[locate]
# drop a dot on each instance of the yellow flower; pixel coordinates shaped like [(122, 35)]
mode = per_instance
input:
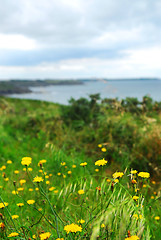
[(3, 168), (99, 145), (116, 180), (136, 216), (47, 182), (103, 149), (31, 190), (134, 171), (26, 161), (83, 164), (20, 189), (1, 186), (96, 170), (144, 174), (46, 176), (102, 225), (101, 162), (118, 174), (58, 173), (51, 189), (132, 238), (15, 216), (14, 234), (22, 181), (20, 204), (135, 198), (16, 171), (6, 179), (30, 169), (73, 228), (64, 176), (44, 236), (50, 174), (3, 205), (34, 236), (80, 192), (41, 162), (37, 189), (74, 166), (81, 221), (56, 191), (144, 185), (38, 179), (157, 218), (108, 180), (153, 182), (30, 202), (59, 238), (9, 162), (69, 172), (63, 163), (14, 192)]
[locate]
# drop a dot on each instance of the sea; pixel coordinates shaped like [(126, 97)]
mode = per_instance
[(107, 88)]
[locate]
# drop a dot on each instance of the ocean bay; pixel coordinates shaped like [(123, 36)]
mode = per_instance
[(108, 89)]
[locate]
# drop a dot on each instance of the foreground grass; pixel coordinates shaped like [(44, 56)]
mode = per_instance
[(124, 204)]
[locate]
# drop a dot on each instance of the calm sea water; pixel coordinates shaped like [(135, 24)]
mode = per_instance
[(107, 89)]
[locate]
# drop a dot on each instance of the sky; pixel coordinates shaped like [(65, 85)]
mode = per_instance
[(80, 39)]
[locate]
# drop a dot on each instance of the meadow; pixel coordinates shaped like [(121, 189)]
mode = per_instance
[(89, 170)]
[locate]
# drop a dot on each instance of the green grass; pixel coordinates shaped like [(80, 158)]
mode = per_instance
[(50, 131)]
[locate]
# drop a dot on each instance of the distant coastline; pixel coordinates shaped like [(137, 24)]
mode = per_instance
[(18, 86)]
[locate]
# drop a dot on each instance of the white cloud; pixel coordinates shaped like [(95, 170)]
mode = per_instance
[(136, 63), (16, 41)]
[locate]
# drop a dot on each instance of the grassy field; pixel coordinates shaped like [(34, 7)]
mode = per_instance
[(90, 170)]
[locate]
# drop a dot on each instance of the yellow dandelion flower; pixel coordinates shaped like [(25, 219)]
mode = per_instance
[(99, 145), (26, 161), (14, 192), (40, 170), (56, 191), (34, 236), (15, 216), (69, 172), (38, 179), (63, 163), (20, 204), (135, 198), (14, 234), (20, 189), (3, 205), (44, 236), (58, 173), (47, 182), (83, 164), (117, 174), (153, 182), (102, 225), (81, 221), (30, 169), (31, 189), (50, 174), (16, 171), (132, 238), (59, 238), (9, 162), (74, 166), (73, 228), (30, 202), (46, 176), (6, 179), (51, 189), (37, 189), (108, 180), (103, 149), (134, 171), (157, 218), (96, 170), (64, 176), (144, 185), (116, 180), (3, 168), (144, 174), (101, 162), (22, 181), (81, 191)]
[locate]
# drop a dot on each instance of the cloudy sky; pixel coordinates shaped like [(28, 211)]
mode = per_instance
[(80, 38)]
